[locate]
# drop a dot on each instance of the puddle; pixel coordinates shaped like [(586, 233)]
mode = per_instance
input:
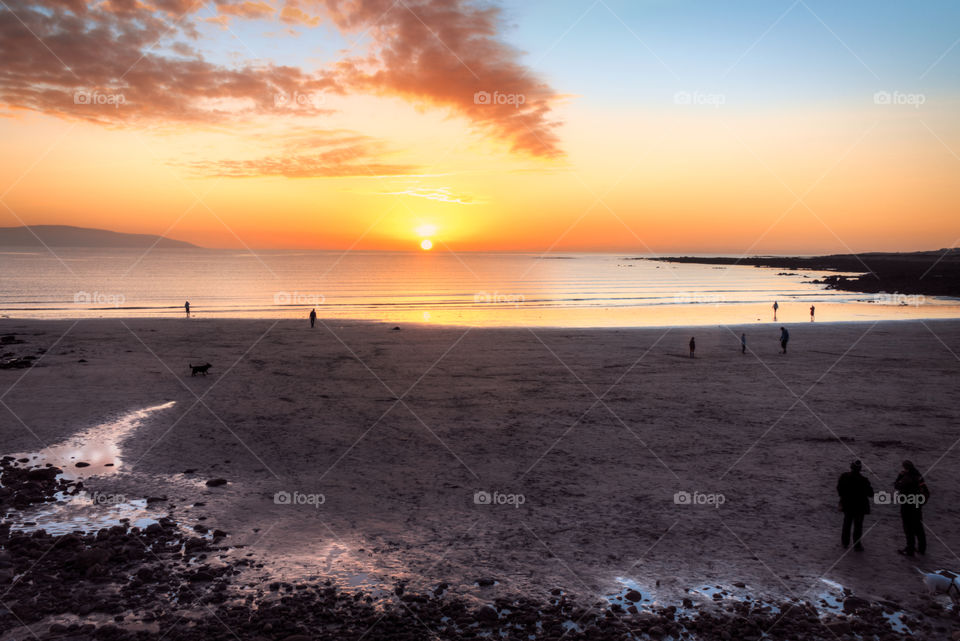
[(97, 449), (85, 513)]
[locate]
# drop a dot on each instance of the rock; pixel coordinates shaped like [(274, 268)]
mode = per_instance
[(839, 628), (81, 464), (485, 582), (633, 596), (42, 473), (216, 482), (487, 614), (855, 604), (156, 499)]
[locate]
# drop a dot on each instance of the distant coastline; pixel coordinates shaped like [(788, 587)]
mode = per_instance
[(930, 273), (69, 236)]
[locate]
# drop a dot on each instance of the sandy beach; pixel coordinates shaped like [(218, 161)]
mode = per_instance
[(578, 442)]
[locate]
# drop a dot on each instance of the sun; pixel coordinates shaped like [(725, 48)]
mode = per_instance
[(426, 244)]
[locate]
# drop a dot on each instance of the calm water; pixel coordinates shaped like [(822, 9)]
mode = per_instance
[(576, 290)]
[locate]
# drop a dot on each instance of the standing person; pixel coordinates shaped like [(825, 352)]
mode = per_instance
[(313, 317), (855, 493), (776, 306), (913, 493), (813, 310), (693, 347), (743, 343), (186, 307), (784, 337)]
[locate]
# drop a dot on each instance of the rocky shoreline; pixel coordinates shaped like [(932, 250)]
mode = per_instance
[(932, 273), (169, 581)]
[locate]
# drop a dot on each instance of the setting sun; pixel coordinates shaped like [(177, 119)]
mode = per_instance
[(426, 244)]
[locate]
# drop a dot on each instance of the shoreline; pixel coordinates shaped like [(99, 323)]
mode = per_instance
[(928, 273), (512, 411)]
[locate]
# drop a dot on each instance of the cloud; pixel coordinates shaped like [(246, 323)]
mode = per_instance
[(101, 64), (448, 53), (323, 154), (440, 194), (248, 9), (127, 61)]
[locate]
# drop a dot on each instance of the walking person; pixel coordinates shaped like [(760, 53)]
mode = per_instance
[(186, 307), (693, 346), (855, 493), (776, 306), (813, 310), (313, 317), (784, 338), (911, 494), (743, 343)]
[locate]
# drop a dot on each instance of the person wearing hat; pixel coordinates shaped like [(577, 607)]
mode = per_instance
[(855, 494)]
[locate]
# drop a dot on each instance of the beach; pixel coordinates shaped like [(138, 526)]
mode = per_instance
[(518, 461)]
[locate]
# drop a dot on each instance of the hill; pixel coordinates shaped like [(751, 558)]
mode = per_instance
[(68, 236)]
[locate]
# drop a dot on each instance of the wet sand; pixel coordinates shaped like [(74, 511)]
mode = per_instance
[(586, 436)]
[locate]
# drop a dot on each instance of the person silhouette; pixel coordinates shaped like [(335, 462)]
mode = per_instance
[(784, 338), (855, 493), (743, 343), (313, 317), (776, 306), (186, 307), (693, 346), (912, 493), (813, 310)]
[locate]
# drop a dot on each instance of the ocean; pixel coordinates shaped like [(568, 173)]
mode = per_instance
[(477, 289)]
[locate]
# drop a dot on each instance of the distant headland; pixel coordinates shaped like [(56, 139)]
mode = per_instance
[(68, 236), (931, 273)]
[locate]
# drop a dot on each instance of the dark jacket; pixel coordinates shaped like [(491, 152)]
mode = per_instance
[(911, 483), (855, 493)]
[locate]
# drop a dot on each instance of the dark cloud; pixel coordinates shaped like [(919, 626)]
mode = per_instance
[(123, 61)]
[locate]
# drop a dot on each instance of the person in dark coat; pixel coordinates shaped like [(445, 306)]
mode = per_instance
[(855, 494), (912, 493), (693, 346), (313, 317)]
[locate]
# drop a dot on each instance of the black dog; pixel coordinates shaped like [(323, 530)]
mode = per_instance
[(200, 369)]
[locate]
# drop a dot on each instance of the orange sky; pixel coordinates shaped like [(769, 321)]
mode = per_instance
[(375, 161)]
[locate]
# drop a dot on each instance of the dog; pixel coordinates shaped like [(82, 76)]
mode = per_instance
[(942, 582), (200, 369)]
